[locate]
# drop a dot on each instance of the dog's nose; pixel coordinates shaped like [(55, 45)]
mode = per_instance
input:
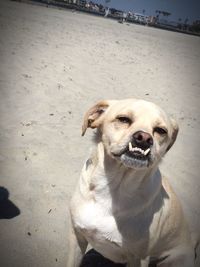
[(143, 139)]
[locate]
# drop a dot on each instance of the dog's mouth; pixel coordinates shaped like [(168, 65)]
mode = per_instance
[(137, 151), (135, 157)]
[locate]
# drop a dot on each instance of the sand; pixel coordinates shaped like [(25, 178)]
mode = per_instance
[(54, 65)]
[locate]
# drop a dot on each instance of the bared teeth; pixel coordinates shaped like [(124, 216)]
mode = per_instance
[(130, 146), (132, 149), (146, 151)]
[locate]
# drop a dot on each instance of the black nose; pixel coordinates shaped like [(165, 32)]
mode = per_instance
[(142, 139)]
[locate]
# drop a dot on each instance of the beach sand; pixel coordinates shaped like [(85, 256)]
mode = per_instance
[(55, 64)]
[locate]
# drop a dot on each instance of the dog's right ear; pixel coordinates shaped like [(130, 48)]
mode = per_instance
[(175, 130), (92, 118)]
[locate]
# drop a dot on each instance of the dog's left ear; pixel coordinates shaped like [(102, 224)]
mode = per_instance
[(93, 115), (175, 130)]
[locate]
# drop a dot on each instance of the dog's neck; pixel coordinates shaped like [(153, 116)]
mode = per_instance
[(120, 178)]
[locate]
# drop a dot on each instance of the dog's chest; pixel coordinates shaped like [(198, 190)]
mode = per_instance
[(97, 222), (103, 230), (110, 219)]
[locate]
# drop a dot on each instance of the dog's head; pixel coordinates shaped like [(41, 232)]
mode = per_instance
[(135, 132)]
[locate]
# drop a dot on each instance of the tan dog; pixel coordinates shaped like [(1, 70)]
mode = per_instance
[(123, 206)]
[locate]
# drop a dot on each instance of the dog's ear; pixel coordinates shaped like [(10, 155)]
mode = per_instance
[(93, 115), (175, 130)]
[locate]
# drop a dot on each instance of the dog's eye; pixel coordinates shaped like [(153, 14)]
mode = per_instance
[(124, 119), (160, 130)]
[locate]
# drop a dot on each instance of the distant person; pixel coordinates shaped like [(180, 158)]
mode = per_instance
[(107, 12), (124, 17)]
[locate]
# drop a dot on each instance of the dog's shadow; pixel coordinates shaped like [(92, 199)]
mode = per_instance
[(94, 259), (8, 209)]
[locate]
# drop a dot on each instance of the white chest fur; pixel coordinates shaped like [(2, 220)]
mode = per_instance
[(100, 229)]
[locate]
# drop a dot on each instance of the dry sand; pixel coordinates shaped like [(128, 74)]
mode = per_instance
[(54, 65)]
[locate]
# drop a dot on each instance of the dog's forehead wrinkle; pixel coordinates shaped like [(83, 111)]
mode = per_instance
[(137, 108), (138, 104)]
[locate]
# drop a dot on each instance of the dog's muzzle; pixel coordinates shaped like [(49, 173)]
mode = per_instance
[(138, 151)]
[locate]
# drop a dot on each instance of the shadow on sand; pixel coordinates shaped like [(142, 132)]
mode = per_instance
[(8, 210)]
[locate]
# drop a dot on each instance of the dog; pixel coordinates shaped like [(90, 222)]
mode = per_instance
[(123, 206)]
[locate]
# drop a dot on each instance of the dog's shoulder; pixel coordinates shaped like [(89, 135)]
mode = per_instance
[(168, 189), (175, 220)]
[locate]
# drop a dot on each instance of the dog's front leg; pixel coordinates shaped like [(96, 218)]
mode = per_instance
[(145, 262), (134, 262), (77, 247)]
